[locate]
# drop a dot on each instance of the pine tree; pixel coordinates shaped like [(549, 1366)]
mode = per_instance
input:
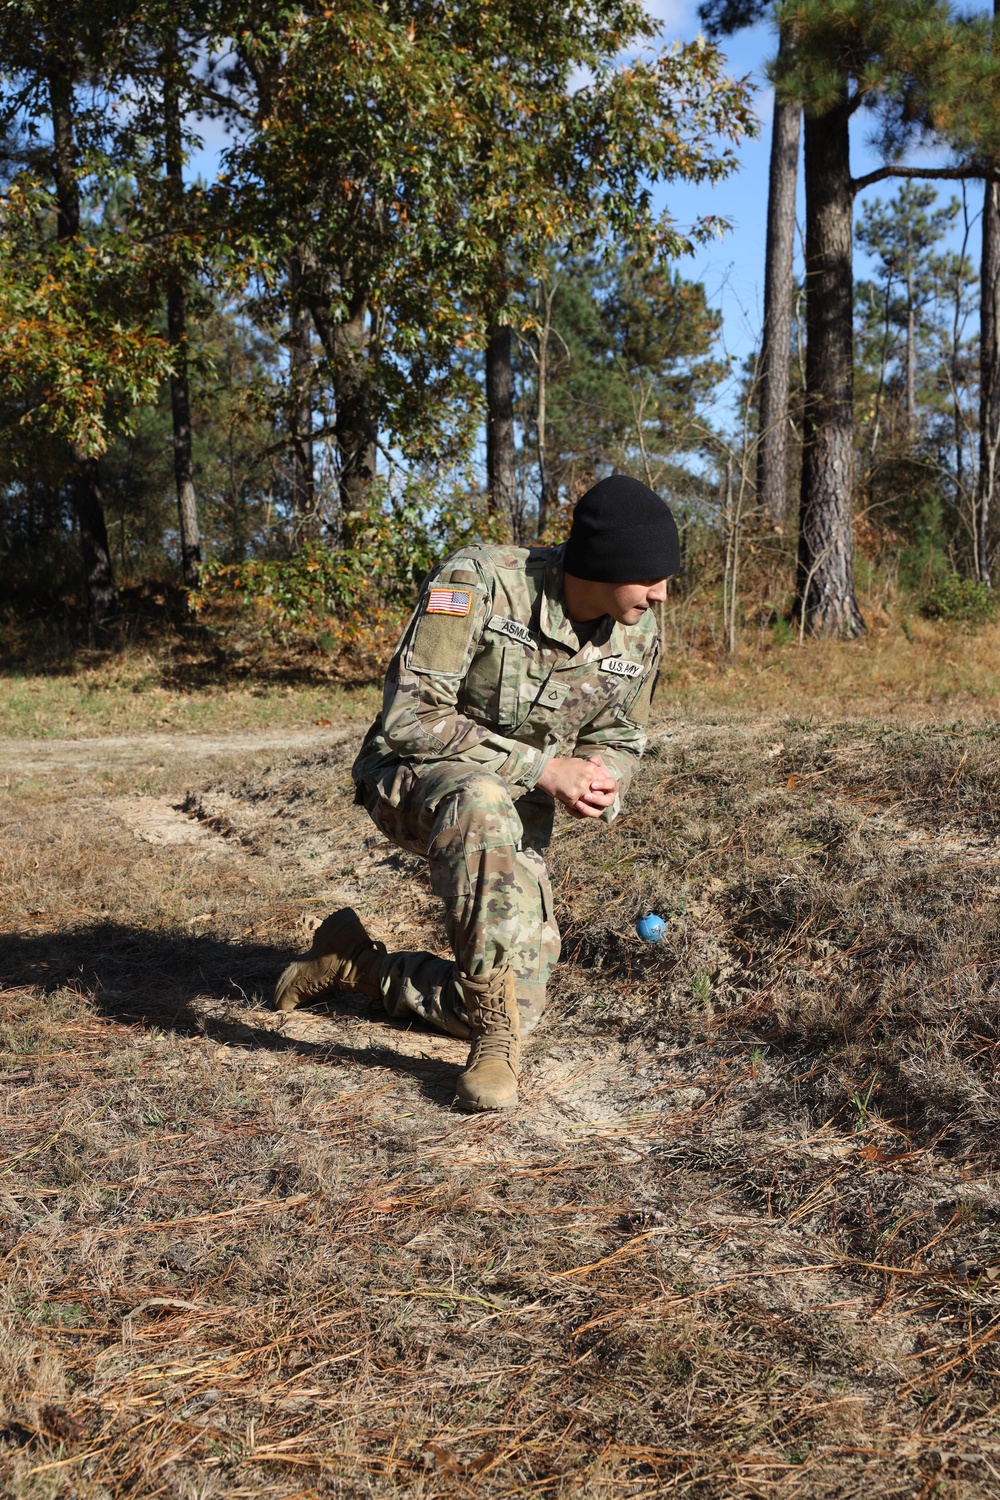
[(722, 18), (173, 70), (925, 71), (630, 360), (989, 374), (901, 236), (914, 376)]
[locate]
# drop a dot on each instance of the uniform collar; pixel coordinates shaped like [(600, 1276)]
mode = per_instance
[(556, 624)]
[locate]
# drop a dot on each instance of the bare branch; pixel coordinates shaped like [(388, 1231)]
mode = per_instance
[(979, 170)]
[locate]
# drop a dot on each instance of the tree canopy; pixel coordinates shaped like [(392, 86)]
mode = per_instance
[(396, 176)]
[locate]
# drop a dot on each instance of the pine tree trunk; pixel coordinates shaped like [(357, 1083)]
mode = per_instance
[(180, 406), (989, 374), (776, 349), (180, 393), (88, 503), (85, 484), (300, 405), (826, 597), (501, 470), (541, 415), (353, 425), (989, 382), (911, 355)]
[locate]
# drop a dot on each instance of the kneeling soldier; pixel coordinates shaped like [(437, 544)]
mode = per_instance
[(523, 677)]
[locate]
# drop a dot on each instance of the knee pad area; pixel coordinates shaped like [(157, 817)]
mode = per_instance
[(480, 811)]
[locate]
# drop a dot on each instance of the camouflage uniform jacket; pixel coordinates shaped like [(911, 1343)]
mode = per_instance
[(491, 673)]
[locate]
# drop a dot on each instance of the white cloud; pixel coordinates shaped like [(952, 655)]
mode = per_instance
[(675, 16)]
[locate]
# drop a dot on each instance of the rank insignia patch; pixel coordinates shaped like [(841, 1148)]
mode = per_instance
[(449, 602)]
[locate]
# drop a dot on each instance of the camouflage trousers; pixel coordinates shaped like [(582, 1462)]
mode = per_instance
[(483, 852)]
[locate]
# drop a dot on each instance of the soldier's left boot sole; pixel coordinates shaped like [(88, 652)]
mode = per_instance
[(343, 958)]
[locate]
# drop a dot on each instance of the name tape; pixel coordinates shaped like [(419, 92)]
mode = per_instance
[(619, 667), (513, 628)]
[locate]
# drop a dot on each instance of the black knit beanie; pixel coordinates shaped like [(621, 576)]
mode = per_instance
[(622, 533)]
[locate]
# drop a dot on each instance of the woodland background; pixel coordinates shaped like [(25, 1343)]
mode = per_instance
[(433, 293), (741, 1237)]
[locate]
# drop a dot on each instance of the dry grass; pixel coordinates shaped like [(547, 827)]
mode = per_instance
[(739, 1239), (138, 692), (905, 669)]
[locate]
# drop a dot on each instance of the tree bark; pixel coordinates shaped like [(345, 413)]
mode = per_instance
[(85, 484), (346, 346), (826, 597), (547, 292), (180, 406), (355, 430), (300, 404), (501, 469), (180, 392), (60, 81), (911, 352), (88, 503), (776, 347), (989, 374), (989, 383)]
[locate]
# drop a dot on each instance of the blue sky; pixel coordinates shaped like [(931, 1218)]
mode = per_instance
[(731, 268)]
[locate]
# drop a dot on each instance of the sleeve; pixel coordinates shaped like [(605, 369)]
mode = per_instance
[(420, 716), (618, 733)]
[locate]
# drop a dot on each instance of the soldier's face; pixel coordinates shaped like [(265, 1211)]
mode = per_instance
[(625, 602), (628, 602)]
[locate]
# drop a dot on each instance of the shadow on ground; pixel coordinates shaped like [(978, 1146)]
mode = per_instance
[(171, 982), (132, 974)]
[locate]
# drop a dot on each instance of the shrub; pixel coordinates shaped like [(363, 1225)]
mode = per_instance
[(351, 599), (964, 599)]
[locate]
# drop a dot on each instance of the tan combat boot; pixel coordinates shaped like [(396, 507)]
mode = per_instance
[(342, 957), (490, 1077)]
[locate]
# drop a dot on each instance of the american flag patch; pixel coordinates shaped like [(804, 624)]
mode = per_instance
[(449, 602)]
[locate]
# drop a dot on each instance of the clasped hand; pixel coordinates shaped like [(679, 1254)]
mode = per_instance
[(584, 787)]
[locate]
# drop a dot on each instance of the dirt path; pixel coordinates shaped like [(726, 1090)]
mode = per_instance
[(31, 756), (53, 756)]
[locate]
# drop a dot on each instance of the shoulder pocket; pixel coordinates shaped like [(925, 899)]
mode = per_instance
[(446, 626)]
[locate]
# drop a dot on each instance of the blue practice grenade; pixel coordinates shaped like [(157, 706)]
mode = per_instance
[(651, 928)]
